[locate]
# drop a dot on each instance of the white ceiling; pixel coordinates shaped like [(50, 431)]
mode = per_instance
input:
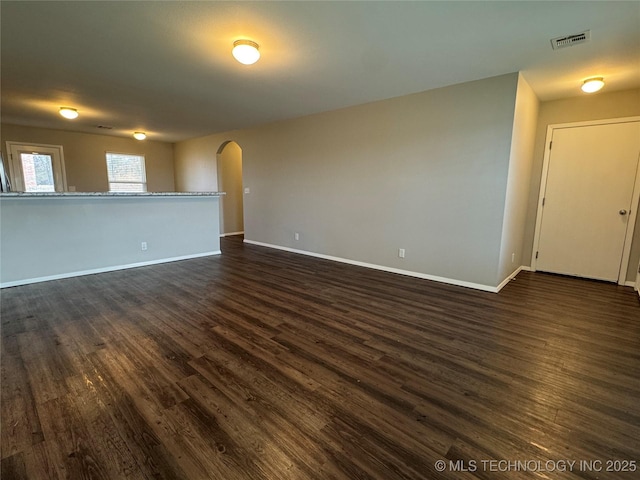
[(166, 67)]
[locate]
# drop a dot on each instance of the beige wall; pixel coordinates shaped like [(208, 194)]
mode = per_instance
[(229, 163), (84, 156), (196, 164), (424, 172), (577, 109), (519, 179)]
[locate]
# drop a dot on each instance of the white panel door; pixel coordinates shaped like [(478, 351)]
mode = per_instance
[(587, 200)]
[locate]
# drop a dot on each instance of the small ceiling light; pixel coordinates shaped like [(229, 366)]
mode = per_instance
[(68, 112), (139, 135), (592, 85), (246, 51)]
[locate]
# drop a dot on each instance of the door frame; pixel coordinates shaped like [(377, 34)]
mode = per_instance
[(15, 169), (635, 198)]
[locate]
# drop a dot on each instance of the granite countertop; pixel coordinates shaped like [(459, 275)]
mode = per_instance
[(108, 194)]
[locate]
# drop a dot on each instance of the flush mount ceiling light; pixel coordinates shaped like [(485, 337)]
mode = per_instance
[(592, 85), (246, 51), (139, 135), (68, 112)]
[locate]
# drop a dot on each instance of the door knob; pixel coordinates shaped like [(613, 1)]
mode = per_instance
[(622, 212)]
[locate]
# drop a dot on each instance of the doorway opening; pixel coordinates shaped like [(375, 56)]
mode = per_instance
[(229, 162)]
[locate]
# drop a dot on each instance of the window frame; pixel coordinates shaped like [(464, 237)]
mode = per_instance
[(144, 171), (14, 150)]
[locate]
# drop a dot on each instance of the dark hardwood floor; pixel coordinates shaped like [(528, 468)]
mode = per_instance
[(261, 364)]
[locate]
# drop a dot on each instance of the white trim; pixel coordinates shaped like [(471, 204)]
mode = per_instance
[(588, 123), (526, 268), (509, 278), (231, 233), (15, 170), (450, 281), (92, 271), (543, 188), (635, 199), (631, 224), (629, 283)]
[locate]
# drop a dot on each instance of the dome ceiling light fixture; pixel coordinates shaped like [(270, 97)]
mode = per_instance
[(246, 51), (592, 85), (68, 112), (139, 135)]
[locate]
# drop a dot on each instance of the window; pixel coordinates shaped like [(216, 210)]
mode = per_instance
[(126, 172), (37, 172), (37, 168)]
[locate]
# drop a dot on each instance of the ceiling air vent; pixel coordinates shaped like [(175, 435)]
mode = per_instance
[(570, 40), (104, 127)]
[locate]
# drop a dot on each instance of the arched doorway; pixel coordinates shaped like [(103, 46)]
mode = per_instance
[(229, 161)]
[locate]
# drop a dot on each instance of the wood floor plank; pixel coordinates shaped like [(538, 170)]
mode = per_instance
[(39, 462), (21, 426), (274, 422), (265, 455), (261, 364), (75, 453), (152, 457), (45, 365), (13, 467)]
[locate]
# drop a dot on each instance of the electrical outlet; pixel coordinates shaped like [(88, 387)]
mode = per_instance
[(296, 236), (513, 258), (401, 252), (247, 190), (143, 246)]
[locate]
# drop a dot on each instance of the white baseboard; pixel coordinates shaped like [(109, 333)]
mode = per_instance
[(509, 278), (450, 281), (630, 283), (231, 234), (525, 268), (93, 271)]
